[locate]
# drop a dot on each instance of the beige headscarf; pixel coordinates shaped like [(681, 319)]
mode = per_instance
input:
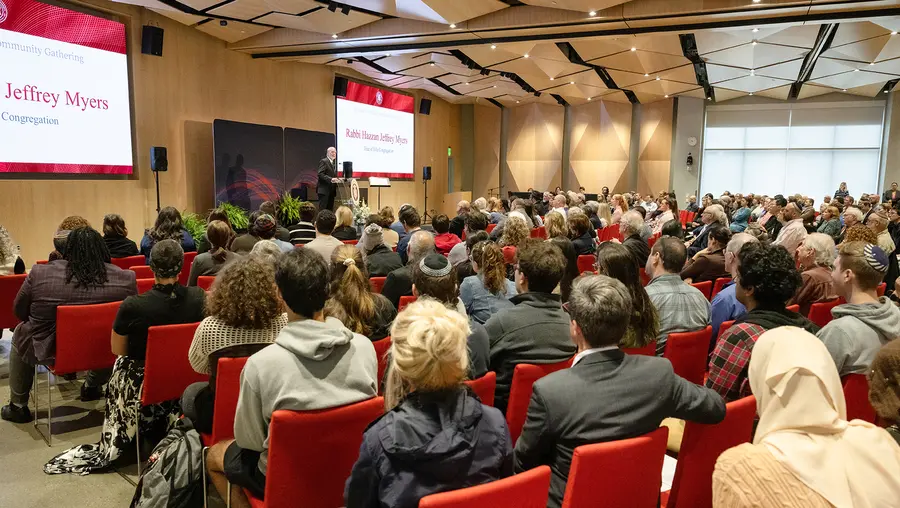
[(802, 421)]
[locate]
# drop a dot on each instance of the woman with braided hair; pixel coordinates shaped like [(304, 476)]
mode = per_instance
[(352, 300)]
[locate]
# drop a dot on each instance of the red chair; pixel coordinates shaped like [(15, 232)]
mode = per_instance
[(185, 274), (652, 240), (349, 242), (648, 350), (490, 227), (377, 284), (856, 394), (725, 325), (524, 490), (586, 263), (688, 353), (524, 377), (404, 301), (881, 289), (311, 454), (126, 263), (820, 313), (719, 286), (205, 282), (539, 232), (701, 447), (82, 343), (144, 285), (381, 352), (627, 472), (793, 308), (705, 288), (228, 386), (9, 289), (142, 271), (509, 255), (41, 262), (484, 387), (645, 279)]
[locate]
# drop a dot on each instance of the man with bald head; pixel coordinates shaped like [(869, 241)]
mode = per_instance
[(327, 179), (399, 282), (725, 306)]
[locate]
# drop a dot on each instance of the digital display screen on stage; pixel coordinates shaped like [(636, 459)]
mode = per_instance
[(64, 97), (375, 130)]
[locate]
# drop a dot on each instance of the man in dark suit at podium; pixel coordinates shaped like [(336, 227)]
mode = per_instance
[(327, 180)]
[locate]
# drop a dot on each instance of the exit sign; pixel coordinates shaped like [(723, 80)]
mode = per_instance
[(449, 151)]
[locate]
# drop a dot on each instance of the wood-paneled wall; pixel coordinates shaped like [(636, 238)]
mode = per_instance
[(487, 150), (654, 161), (534, 149), (599, 145)]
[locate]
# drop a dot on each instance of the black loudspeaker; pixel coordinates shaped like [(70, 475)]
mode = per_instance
[(425, 107), (426, 173), (158, 159), (340, 86), (152, 40), (348, 169)]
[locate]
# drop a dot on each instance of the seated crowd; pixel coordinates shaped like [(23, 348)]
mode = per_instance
[(496, 286)]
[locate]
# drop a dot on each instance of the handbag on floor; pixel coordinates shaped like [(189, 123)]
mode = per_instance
[(174, 474)]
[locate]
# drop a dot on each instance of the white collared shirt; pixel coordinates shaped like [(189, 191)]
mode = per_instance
[(591, 351)]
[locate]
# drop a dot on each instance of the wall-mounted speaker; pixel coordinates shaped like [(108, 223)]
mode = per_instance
[(152, 40), (158, 159), (340, 86), (425, 107), (426, 173), (348, 169)]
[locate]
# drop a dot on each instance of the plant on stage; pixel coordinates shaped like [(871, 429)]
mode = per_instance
[(194, 225), (289, 209), (237, 216), (361, 212)]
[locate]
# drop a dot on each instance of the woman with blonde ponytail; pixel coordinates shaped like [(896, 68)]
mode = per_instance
[(436, 435), (352, 300)]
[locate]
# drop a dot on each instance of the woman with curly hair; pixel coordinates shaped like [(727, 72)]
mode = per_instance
[(352, 300), (168, 226), (859, 233), (555, 226), (515, 232), (10, 262), (218, 234), (614, 260), (489, 291), (69, 224), (244, 316), (167, 303)]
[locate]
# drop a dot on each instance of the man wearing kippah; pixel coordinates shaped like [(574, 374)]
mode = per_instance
[(866, 322)]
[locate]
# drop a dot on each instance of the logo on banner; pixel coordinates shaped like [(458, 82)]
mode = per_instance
[(4, 12), (378, 97)]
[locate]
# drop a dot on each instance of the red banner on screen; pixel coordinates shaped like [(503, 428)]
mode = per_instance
[(365, 94), (51, 22), (78, 169)]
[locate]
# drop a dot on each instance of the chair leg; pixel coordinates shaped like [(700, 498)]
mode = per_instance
[(49, 437), (205, 479), (137, 442), (228, 496)]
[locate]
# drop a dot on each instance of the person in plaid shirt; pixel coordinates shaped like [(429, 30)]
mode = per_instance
[(765, 280)]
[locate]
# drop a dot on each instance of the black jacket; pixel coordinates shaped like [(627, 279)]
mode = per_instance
[(584, 244), (773, 227), (457, 224), (430, 443), (345, 233), (701, 241), (120, 247), (399, 283), (638, 248), (326, 172), (606, 396), (381, 261)]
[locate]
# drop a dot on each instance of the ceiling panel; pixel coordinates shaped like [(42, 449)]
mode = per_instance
[(754, 56), (640, 61), (787, 70), (243, 9), (321, 21), (726, 94), (752, 83), (854, 79), (233, 32), (719, 73)]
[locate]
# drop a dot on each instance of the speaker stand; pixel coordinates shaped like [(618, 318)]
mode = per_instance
[(156, 175), (426, 218)]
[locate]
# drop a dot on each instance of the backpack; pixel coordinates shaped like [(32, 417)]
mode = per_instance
[(174, 474)]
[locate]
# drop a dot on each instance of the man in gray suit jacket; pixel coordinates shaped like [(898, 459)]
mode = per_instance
[(606, 395)]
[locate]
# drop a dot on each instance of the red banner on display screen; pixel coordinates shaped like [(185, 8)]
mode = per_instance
[(80, 169), (372, 96), (52, 22)]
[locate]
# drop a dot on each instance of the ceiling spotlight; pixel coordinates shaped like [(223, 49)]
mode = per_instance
[(886, 91), (345, 10), (756, 1), (843, 89), (525, 55), (753, 43), (452, 25), (517, 102), (432, 63), (571, 82), (751, 93), (855, 70), (709, 98), (633, 48), (755, 30), (493, 46), (752, 72), (551, 79), (592, 13), (666, 97), (657, 78), (467, 84), (646, 75), (590, 98), (894, 32), (223, 23), (871, 63), (334, 36)]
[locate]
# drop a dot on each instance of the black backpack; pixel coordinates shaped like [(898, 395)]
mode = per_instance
[(174, 474)]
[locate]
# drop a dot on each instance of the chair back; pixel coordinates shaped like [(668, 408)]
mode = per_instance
[(142, 271), (856, 394), (167, 370), (523, 379), (586, 263), (539, 232), (311, 453), (645, 279), (793, 308), (525, 490), (42, 262), (377, 284), (228, 387), (509, 255), (185, 274), (349, 242), (484, 387), (126, 263), (705, 288), (490, 227), (688, 353), (382, 347), (9, 289), (404, 301), (144, 285), (627, 472), (725, 325), (205, 282), (719, 286), (701, 447), (881, 289), (652, 240), (648, 350), (82, 337), (820, 313)]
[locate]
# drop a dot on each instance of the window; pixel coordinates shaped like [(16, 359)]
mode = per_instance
[(792, 149)]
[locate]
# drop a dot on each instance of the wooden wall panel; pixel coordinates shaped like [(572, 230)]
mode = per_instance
[(487, 150), (654, 161), (599, 145), (534, 149)]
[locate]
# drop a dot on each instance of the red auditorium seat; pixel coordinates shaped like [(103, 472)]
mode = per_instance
[(648, 350), (144, 285), (645, 279), (142, 271), (523, 379), (725, 325), (186, 268), (529, 489), (820, 313), (856, 394), (490, 228), (381, 352), (484, 387), (881, 289), (228, 386), (705, 288), (539, 232), (688, 353), (41, 262), (701, 447), (349, 242), (377, 284), (652, 240), (311, 454), (586, 263), (509, 255), (404, 301), (126, 263), (793, 308), (627, 472), (205, 282), (720, 284), (9, 288)]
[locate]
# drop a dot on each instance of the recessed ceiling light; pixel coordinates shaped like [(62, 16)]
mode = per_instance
[(571, 82), (855, 70), (755, 30), (551, 79), (517, 102), (334, 36), (432, 63), (756, 1), (590, 98), (646, 75), (388, 54), (871, 63), (894, 32), (752, 72), (657, 78), (886, 91), (495, 86), (467, 84), (493, 46), (709, 98), (633, 49), (843, 89), (751, 93), (525, 55), (592, 13), (452, 25), (666, 97), (753, 43)]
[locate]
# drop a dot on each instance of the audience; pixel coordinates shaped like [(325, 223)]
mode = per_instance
[(465, 268), (580, 233), (281, 232), (884, 387), (741, 217), (444, 240), (69, 224), (866, 322), (409, 218), (804, 451), (555, 226), (495, 209), (391, 237), (766, 280), (712, 214), (304, 231), (571, 273), (489, 291), (793, 231), (352, 300), (324, 244), (83, 276), (631, 226), (831, 223), (209, 263), (619, 206), (515, 232), (216, 214), (666, 214), (315, 363), (265, 228), (168, 226), (770, 220), (244, 243), (459, 254), (613, 260), (815, 258), (380, 259), (878, 223), (559, 205), (606, 395), (345, 230), (449, 439), (397, 226), (267, 250), (673, 228), (852, 217), (463, 208), (604, 214), (115, 234), (399, 282), (10, 262), (168, 303), (709, 263), (535, 330)]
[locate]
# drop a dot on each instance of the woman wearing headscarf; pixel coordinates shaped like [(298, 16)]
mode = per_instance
[(805, 453), (884, 387)]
